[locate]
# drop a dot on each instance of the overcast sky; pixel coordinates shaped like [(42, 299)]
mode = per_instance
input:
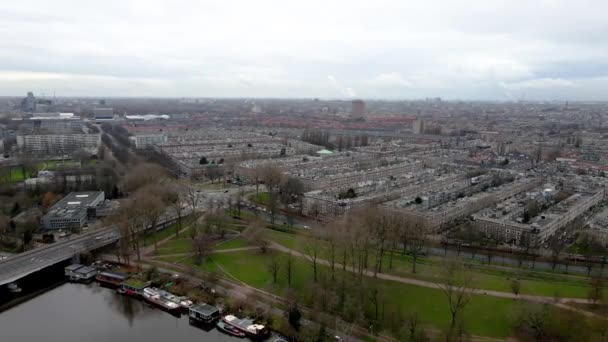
[(483, 49)]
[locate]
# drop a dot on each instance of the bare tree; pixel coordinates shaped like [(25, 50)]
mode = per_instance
[(332, 237), (216, 223), (124, 244), (312, 248), (272, 206), (175, 199), (360, 242), (82, 156), (289, 268), (457, 287), (240, 195), (272, 177), (134, 223), (202, 245), (255, 235), (193, 197), (556, 249), (596, 293), (257, 177), (143, 174), (417, 242), (273, 267), (4, 225), (214, 172), (149, 199)]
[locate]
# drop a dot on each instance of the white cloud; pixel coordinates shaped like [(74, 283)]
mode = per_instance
[(391, 79), (342, 90), (540, 83), (476, 48)]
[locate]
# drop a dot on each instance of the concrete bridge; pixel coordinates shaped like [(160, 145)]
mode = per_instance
[(20, 265)]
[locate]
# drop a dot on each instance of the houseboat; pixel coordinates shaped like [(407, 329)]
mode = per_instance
[(111, 279), (80, 274), (203, 314), (152, 296), (183, 302), (133, 287), (247, 326), (229, 329), (69, 271)]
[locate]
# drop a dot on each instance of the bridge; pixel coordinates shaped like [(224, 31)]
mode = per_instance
[(20, 265)]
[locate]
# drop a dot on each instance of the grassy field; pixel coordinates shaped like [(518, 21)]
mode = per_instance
[(215, 186), (175, 246), (184, 245), (167, 232), (262, 198), (238, 242), (497, 278), (488, 316), (17, 174)]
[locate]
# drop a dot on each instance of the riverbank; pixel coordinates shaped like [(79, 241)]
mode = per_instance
[(70, 312)]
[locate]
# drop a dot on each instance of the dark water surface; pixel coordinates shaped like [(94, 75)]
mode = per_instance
[(90, 313)]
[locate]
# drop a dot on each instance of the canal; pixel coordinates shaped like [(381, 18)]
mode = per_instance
[(77, 312)]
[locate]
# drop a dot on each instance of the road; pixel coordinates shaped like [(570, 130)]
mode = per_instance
[(23, 264)]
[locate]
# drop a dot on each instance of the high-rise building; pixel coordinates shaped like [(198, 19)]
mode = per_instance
[(28, 104), (357, 109), (418, 126), (103, 113)]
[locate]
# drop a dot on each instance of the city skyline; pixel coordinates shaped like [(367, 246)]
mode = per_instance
[(481, 50)]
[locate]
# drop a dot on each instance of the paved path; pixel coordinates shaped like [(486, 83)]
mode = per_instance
[(188, 254), (559, 302), (433, 285), (149, 250)]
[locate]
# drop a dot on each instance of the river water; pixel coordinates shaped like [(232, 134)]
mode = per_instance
[(90, 313)]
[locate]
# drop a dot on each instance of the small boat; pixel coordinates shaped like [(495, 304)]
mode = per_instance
[(229, 329), (13, 288)]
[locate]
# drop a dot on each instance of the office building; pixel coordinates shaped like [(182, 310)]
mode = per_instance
[(71, 212), (357, 110)]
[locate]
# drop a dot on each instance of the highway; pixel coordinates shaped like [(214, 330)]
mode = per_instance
[(23, 264), (20, 265)]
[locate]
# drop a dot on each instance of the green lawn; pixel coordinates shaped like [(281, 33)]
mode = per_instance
[(487, 316), (288, 240), (17, 175), (184, 245), (167, 232), (238, 242), (215, 186), (262, 198), (495, 278), (175, 246)]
